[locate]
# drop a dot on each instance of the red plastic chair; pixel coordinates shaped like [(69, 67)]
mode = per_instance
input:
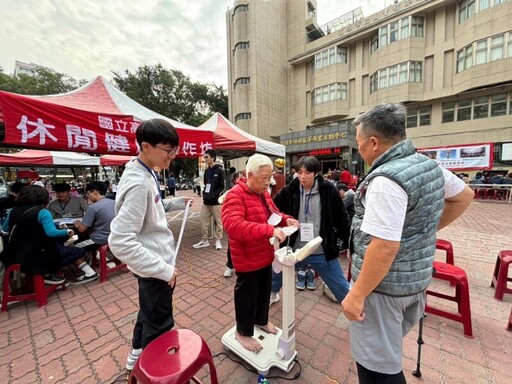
[(481, 193), (457, 276), (500, 276), (173, 358), (446, 246), (104, 269), (34, 289)]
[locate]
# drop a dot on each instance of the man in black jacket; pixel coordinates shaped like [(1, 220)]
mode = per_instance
[(213, 187)]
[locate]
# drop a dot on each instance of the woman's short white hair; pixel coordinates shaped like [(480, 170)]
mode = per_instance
[(255, 162)]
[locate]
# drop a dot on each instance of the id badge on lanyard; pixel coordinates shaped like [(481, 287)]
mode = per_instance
[(306, 231)]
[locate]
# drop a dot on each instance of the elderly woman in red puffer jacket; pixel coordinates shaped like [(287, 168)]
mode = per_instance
[(250, 218)]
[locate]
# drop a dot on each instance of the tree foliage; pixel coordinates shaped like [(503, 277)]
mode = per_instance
[(171, 93), (42, 82)]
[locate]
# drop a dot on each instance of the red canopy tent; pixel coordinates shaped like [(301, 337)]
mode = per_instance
[(231, 141), (95, 118)]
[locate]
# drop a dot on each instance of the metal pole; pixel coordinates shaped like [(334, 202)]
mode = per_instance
[(417, 372)]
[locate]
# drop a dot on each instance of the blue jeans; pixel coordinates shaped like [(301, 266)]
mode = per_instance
[(330, 272)]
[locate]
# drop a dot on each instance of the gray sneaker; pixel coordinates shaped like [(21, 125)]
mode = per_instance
[(201, 244), (132, 358)]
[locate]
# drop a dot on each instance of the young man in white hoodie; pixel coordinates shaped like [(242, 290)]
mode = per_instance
[(140, 236)]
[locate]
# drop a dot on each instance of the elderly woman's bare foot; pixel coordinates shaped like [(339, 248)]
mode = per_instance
[(248, 342), (269, 328)]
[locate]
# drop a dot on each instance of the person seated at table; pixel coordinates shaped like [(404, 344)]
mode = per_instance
[(65, 205), (96, 221), (478, 179), (34, 241), (508, 179)]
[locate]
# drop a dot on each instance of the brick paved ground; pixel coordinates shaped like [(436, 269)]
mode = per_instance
[(83, 334)]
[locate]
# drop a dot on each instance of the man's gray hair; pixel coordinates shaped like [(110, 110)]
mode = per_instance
[(386, 120), (255, 162)]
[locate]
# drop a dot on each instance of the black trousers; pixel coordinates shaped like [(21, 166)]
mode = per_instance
[(155, 311), (371, 377), (252, 299), (229, 262)]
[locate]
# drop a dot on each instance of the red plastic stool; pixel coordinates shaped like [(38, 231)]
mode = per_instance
[(457, 276), (34, 288), (500, 276), (104, 269), (173, 358), (509, 322), (481, 193), (446, 246)]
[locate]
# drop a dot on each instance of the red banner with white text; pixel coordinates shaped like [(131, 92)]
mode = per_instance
[(33, 123)]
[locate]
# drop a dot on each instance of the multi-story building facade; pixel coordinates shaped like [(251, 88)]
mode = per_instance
[(448, 61)]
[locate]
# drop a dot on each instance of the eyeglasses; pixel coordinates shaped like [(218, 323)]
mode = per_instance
[(170, 152)]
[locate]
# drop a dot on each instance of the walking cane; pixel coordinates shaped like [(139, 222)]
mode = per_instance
[(417, 372)]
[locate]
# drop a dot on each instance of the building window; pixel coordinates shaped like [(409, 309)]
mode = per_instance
[(243, 116), (418, 116), (425, 113), (242, 45), (409, 72), (464, 110), (383, 79), (485, 51), (417, 26), (481, 52), (412, 118), (373, 83), (509, 49), (404, 28), (468, 8), (242, 80), (481, 107), (329, 92), (374, 43), (331, 56), (499, 104), (403, 73), (397, 30), (483, 4), (497, 43), (415, 72), (392, 78), (449, 112)]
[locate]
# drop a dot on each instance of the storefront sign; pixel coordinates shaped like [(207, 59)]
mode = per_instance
[(315, 138), (462, 157), (324, 151)]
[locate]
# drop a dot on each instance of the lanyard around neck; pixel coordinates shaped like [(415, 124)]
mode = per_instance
[(151, 172), (306, 201)]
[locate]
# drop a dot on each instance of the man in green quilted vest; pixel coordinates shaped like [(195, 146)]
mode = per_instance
[(399, 206)]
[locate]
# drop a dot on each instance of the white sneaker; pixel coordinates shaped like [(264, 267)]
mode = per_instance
[(202, 244), (274, 298), (132, 358), (218, 245), (228, 272), (329, 294)]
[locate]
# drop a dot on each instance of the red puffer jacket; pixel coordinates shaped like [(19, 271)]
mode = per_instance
[(244, 217)]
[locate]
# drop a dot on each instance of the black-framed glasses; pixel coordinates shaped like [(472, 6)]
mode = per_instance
[(170, 152)]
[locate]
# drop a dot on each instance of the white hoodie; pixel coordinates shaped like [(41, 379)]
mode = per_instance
[(139, 234)]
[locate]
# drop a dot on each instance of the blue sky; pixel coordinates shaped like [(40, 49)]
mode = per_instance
[(86, 38)]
